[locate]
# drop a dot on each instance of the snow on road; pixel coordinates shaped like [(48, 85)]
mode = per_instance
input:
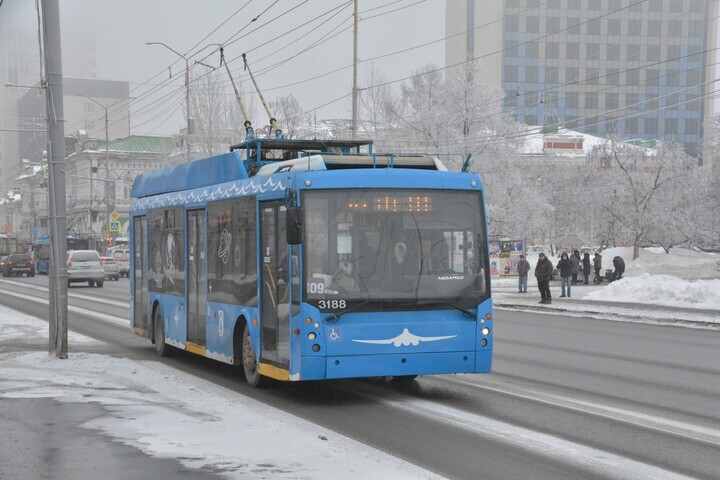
[(169, 414)]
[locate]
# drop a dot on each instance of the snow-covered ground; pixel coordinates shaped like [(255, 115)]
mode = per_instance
[(169, 414), (683, 278)]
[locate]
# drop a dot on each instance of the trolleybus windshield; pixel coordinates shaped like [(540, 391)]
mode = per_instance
[(398, 248)]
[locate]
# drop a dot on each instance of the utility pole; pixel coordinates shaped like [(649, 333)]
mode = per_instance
[(107, 168), (187, 93), (355, 65), (56, 165)]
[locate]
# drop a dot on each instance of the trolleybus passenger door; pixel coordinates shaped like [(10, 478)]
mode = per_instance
[(196, 292), (140, 275), (275, 298)]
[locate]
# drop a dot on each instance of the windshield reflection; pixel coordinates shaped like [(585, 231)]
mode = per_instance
[(385, 245)]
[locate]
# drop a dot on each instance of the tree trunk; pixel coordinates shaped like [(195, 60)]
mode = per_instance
[(636, 247)]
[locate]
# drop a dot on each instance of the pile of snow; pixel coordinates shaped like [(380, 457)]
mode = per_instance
[(169, 414), (680, 262), (661, 290)]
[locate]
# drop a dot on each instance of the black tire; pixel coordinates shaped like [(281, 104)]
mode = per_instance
[(91, 283), (161, 348), (117, 278), (249, 362), (31, 274), (99, 283)]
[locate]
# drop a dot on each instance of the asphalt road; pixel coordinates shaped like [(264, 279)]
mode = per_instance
[(569, 397)]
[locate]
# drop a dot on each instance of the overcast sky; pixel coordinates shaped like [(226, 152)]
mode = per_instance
[(115, 33)]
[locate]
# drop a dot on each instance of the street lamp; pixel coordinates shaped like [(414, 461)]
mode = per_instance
[(107, 156), (187, 86)]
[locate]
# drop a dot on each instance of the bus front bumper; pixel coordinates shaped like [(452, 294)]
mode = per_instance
[(395, 365)]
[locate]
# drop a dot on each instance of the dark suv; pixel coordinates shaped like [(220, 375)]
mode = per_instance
[(19, 263)]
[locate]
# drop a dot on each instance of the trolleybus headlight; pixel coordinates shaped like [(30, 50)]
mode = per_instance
[(316, 348), (483, 343), (485, 331), (311, 335), (316, 325)]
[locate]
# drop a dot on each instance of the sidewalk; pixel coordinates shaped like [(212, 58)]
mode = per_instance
[(95, 415), (505, 296)]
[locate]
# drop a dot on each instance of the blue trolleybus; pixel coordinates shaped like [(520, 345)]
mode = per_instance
[(310, 260)]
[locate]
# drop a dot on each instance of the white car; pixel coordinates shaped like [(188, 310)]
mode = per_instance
[(85, 266), (111, 267)]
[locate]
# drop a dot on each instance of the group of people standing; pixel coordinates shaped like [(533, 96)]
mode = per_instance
[(569, 268)]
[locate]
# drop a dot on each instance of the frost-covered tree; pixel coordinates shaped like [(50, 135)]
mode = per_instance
[(289, 114), (644, 186), (376, 105), (217, 116)]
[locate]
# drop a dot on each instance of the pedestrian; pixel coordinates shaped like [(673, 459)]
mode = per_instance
[(597, 265), (575, 260), (523, 267), (619, 265), (543, 273), (586, 267), (565, 265)]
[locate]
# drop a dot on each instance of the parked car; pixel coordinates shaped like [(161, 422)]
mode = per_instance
[(112, 269), (3, 260), (85, 266), (17, 264)]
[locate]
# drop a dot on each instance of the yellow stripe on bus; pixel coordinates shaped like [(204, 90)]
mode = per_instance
[(274, 372), (193, 348)]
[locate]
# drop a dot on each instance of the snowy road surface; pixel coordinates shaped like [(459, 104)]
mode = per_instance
[(570, 397)]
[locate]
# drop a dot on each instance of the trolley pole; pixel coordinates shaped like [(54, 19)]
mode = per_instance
[(56, 166), (355, 65)]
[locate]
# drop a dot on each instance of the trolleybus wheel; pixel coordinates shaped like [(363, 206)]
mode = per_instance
[(161, 348), (250, 366)]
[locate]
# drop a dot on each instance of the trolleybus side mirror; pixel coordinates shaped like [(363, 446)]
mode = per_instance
[(294, 219)]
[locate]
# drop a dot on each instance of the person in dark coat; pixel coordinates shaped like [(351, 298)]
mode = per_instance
[(565, 265), (523, 267), (586, 267), (543, 273), (619, 265), (597, 265), (575, 259)]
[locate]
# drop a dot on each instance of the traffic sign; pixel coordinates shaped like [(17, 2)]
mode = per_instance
[(45, 171), (17, 190), (72, 233), (115, 227), (114, 215)]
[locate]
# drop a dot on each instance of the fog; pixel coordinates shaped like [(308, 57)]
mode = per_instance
[(107, 40)]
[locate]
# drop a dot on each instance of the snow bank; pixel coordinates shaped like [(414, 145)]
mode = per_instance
[(680, 262), (661, 290)]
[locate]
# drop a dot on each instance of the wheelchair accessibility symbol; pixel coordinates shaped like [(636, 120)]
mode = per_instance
[(334, 334)]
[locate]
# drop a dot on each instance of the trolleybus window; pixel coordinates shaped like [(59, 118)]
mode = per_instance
[(167, 251), (400, 247), (232, 250)]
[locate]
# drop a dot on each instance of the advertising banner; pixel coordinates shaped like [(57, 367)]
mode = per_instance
[(504, 257)]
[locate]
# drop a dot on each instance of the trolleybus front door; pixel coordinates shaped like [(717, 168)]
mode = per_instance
[(275, 299), (196, 292)]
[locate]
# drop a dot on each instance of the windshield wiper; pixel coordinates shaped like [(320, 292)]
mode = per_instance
[(465, 311), (337, 315)]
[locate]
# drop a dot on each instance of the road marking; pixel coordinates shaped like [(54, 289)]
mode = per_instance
[(125, 322), (40, 288), (599, 462), (674, 427)]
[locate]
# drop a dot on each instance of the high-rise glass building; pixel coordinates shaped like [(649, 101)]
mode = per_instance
[(638, 69)]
